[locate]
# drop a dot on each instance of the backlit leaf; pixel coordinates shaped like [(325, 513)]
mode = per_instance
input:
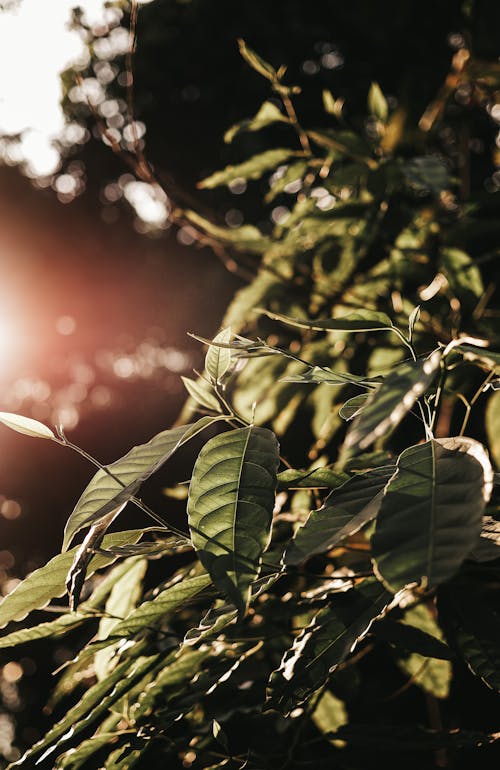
[(431, 513), (202, 394), (105, 493), (256, 62), (48, 582), (26, 425), (360, 321), (230, 506), (352, 408), (218, 359), (492, 424), (254, 168), (377, 103), (386, 406), (311, 479), (268, 114)]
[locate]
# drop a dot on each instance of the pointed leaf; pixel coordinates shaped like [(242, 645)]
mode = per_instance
[(218, 358), (246, 238), (231, 499), (105, 493), (360, 321), (317, 374), (387, 405), (412, 321), (253, 168), (325, 644), (488, 545), (311, 479), (377, 103), (48, 582), (202, 393), (492, 424), (268, 114), (431, 513), (26, 425), (353, 407)]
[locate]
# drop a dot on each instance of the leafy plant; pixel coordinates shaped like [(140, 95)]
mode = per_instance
[(373, 529)]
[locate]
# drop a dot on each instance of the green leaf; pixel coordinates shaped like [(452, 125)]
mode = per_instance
[(463, 275), (231, 499), (330, 713), (48, 582), (471, 621), (26, 425), (488, 545), (325, 644), (431, 674), (412, 321), (377, 103), (492, 424), (345, 511), (246, 238), (104, 493), (294, 172), (121, 601), (268, 114), (254, 168), (218, 359), (75, 758), (427, 174), (318, 374), (386, 406), (360, 321), (431, 513), (411, 639), (315, 478), (150, 613), (257, 62), (491, 358), (330, 103), (353, 406), (94, 702), (202, 393)]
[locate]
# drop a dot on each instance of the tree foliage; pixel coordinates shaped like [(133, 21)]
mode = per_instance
[(370, 529)]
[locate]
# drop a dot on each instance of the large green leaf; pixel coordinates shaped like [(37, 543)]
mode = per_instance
[(345, 511), (218, 358), (431, 513), (317, 374), (487, 547), (48, 582), (231, 499), (105, 492), (471, 620), (463, 275), (325, 644), (359, 321), (432, 674), (314, 478), (386, 406), (253, 168)]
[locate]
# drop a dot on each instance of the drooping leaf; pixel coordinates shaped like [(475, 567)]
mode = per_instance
[(218, 359), (471, 620), (325, 644), (230, 506), (311, 479), (359, 321), (431, 513), (318, 374), (377, 103), (490, 358), (94, 702), (75, 758), (412, 321), (202, 393), (352, 408), (48, 582), (268, 114), (254, 168), (386, 407), (105, 493), (26, 425), (345, 511)]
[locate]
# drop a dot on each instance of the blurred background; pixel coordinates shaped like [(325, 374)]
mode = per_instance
[(97, 288)]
